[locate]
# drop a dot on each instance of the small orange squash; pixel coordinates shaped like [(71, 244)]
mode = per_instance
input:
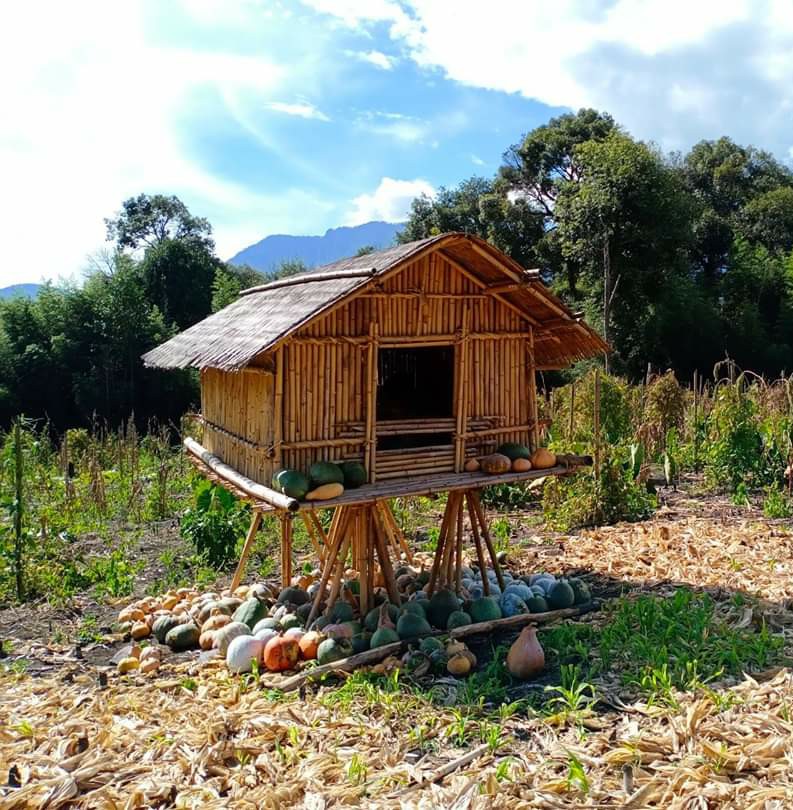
[(309, 644), (281, 654), (542, 459), (521, 465)]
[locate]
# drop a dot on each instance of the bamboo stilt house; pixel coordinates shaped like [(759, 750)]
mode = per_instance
[(410, 360)]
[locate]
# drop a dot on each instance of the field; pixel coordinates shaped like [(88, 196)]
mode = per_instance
[(675, 693)]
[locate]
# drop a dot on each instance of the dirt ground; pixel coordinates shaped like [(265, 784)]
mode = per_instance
[(194, 737)]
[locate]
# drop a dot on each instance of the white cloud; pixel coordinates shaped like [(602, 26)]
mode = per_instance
[(390, 201), (477, 161), (671, 70), (301, 109), (404, 128), (376, 58)]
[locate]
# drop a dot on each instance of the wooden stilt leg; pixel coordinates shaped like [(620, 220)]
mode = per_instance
[(486, 535), (396, 531), (439, 551), (370, 555), (256, 521), (459, 555), (286, 550), (451, 542), (312, 535), (478, 544), (335, 536), (341, 561), (385, 560), (323, 538), (365, 580)]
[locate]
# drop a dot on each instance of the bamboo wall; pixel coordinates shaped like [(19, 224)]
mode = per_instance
[(237, 408), (326, 397)]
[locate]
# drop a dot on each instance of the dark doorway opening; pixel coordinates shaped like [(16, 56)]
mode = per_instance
[(415, 384)]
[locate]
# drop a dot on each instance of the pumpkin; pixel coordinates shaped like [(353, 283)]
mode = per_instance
[(309, 644), (215, 622), (206, 641), (332, 649), (525, 657), (495, 464), (140, 630), (289, 621), (458, 665), (514, 451), (280, 654), (128, 665), (292, 595), (250, 612), (148, 653), (537, 604), (183, 637), (338, 631), (294, 632), (410, 625), (325, 492), (472, 465), (242, 652), (521, 465), (149, 666), (443, 603), (561, 595), (170, 602), (542, 459), (228, 633), (485, 609), (457, 619), (131, 614), (342, 612), (266, 624), (266, 634), (386, 632)]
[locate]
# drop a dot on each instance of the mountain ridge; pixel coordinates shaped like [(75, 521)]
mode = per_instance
[(336, 243), (20, 290)]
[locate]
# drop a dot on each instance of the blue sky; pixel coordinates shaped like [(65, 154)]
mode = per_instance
[(296, 116)]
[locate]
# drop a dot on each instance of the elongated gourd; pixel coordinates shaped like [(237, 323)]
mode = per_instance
[(325, 492)]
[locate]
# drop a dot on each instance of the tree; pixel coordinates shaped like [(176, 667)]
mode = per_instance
[(288, 267), (230, 280), (178, 276), (624, 222), (146, 221), (767, 220), (365, 250)]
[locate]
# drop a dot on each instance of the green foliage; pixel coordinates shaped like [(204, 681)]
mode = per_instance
[(590, 500), (214, 524), (776, 503)]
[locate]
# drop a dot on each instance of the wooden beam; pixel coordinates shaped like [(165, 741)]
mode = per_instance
[(370, 447), (278, 410), (256, 520), (507, 271)]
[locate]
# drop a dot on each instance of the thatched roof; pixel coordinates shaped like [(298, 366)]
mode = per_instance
[(263, 316)]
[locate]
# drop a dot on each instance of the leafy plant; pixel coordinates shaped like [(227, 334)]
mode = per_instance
[(214, 524), (776, 503)]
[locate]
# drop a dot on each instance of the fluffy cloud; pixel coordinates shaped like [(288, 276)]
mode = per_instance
[(671, 70), (390, 201), (301, 109)]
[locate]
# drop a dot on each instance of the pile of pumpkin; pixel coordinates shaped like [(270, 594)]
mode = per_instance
[(512, 456), (325, 480)]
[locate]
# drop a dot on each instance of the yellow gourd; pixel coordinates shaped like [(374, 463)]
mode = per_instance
[(127, 665), (325, 492), (459, 665), (140, 630), (542, 459)]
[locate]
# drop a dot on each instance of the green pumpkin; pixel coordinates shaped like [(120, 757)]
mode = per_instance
[(332, 649), (360, 642), (289, 621), (412, 626), (485, 609), (293, 596), (458, 619), (373, 617), (250, 612), (383, 636), (183, 637), (537, 604), (354, 474), (514, 451), (342, 612), (581, 591), (561, 595), (163, 625), (292, 483), (416, 607), (441, 606), (430, 643), (325, 472)]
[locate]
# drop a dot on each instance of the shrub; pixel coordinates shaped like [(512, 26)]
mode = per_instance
[(590, 500), (214, 524)]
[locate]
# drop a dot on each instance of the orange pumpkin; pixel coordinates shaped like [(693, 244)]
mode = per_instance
[(281, 653), (309, 643)]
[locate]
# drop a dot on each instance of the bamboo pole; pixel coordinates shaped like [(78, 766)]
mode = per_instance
[(383, 556), (370, 460), (534, 437), (462, 393), (459, 551), (396, 532), (278, 409), (312, 535), (447, 559), (486, 536), (335, 587), (442, 539), (286, 549), (337, 530), (477, 544), (596, 422), (256, 520)]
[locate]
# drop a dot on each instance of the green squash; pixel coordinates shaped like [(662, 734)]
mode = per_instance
[(162, 625), (183, 637), (354, 474), (514, 451), (293, 596), (325, 472), (416, 607), (373, 617), (537, 604), (289, 621), (250, 612), (360, 642), (561, 595), (484, 609), (430, 643), (441, 606), (457, 619), (332, 649), (383, 636), (412, 626), (342, 612), (581, 591), (292, 483)]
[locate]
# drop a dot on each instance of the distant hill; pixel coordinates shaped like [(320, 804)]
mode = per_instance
[(336, 243), (17, 290)]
